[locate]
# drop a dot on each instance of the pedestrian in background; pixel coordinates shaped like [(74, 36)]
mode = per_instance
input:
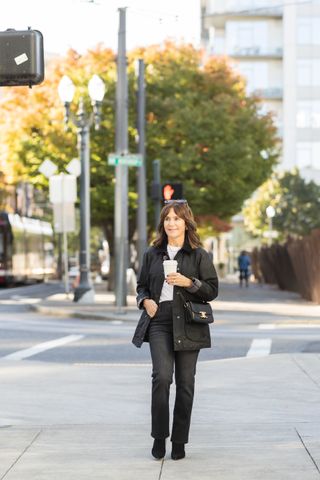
[(244, 267), (174, 343)]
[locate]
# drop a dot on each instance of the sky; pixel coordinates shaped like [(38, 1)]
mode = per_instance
[(81, 24)]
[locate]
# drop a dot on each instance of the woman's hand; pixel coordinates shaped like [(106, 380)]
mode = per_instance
[(150, 306), (178, 280)]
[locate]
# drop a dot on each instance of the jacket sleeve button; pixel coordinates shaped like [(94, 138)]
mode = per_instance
[(178, 316)]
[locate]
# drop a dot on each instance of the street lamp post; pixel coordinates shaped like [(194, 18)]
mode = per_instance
[(84, 291), (270, 211)]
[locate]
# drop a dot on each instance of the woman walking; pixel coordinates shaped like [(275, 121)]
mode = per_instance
[(174, 343)]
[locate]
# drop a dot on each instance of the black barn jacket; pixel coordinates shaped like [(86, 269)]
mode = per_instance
[(194, 264)]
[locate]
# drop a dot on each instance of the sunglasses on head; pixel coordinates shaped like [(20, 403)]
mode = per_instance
[(182, 200)]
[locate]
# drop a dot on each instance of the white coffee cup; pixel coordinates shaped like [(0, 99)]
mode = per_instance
[(169, 266)]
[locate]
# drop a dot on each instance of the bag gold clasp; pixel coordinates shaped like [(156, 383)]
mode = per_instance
[(203, 314)]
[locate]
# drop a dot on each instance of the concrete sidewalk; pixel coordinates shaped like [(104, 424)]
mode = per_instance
[(102, 309), (258, 300), (253, 419)]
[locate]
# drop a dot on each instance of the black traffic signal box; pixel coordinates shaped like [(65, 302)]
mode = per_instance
[(21, 58)]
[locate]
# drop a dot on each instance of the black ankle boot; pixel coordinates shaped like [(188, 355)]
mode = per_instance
[(177, 451), (159, 448)]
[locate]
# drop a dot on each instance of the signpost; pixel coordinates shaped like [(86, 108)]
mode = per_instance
[(122, 161), (63, 194), (130, 159)]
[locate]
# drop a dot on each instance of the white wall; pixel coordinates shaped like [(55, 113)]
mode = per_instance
[(289, 85)]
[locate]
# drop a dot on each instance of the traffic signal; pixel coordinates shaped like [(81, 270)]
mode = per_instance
[(172, 191), (21, 58)]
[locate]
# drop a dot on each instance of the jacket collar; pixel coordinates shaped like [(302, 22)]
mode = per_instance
[(186, 247)]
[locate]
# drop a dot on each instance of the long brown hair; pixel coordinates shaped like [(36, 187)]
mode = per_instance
[(182, 210)]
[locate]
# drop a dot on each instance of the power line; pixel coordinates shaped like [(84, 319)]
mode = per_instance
[(153, 13), (160, 19), (147, 12)]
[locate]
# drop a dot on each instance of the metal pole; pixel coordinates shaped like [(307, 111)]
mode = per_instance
[(84, 292), (66, 270), (65, 240), (270, 231), (157, 182), (59, 266), (141, 172), (121, 187)]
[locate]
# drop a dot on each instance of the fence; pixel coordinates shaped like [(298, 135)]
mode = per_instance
[(294, 266)]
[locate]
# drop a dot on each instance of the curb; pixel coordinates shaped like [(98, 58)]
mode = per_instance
[(60, 312)]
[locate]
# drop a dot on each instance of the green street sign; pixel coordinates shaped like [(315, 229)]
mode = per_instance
[(131, 159)]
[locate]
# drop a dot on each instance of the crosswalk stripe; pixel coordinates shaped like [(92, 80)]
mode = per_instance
[(260, 347), (272, 326), (42, 347)]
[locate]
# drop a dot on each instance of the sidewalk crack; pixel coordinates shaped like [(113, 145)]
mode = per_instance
[(305, 372), (160, 473), (308, 452), (21, 455)]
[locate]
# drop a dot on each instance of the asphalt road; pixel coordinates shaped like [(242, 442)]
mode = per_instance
[(237, 332)]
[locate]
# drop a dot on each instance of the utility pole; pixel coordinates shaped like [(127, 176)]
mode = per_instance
[(141, 172), (156, 192), (121, 171)]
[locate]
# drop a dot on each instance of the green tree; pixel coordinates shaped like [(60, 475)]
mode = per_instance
[(296, 203), (206, 131), (200, 123)]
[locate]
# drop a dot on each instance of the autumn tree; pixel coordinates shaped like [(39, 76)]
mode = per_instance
[(207, 132)]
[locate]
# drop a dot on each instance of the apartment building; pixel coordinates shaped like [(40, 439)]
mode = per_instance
[(275, 44)]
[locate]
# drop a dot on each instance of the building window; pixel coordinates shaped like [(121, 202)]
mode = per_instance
[(304, 31), (256, 74), (304, 68), (308, 72), (308, 114), (304, 155), (308, 31), (308, 155), (316, 155), (247, 38)]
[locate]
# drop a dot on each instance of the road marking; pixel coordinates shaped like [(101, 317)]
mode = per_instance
[(42, 347), (271, 326), (260, 347), (87, 364)]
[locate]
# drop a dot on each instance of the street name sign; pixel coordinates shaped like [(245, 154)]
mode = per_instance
[(131, 159)]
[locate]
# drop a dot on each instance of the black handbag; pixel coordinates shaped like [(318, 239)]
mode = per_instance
[(197, 312)]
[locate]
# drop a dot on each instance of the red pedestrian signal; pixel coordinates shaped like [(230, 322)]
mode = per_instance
[(168, 191), (172, 191)]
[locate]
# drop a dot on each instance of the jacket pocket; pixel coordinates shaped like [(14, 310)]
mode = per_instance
[(196, 333)]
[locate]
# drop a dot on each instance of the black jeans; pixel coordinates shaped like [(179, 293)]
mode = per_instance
[(164, 361)]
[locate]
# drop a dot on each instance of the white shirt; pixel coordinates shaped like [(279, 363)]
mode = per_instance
[(167, 290)]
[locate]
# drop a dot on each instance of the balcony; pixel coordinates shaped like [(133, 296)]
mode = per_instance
[(218, 17), (265, 8), (270, 93), (256, 52)]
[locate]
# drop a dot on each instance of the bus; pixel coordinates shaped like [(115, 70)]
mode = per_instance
[(26, 249)]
